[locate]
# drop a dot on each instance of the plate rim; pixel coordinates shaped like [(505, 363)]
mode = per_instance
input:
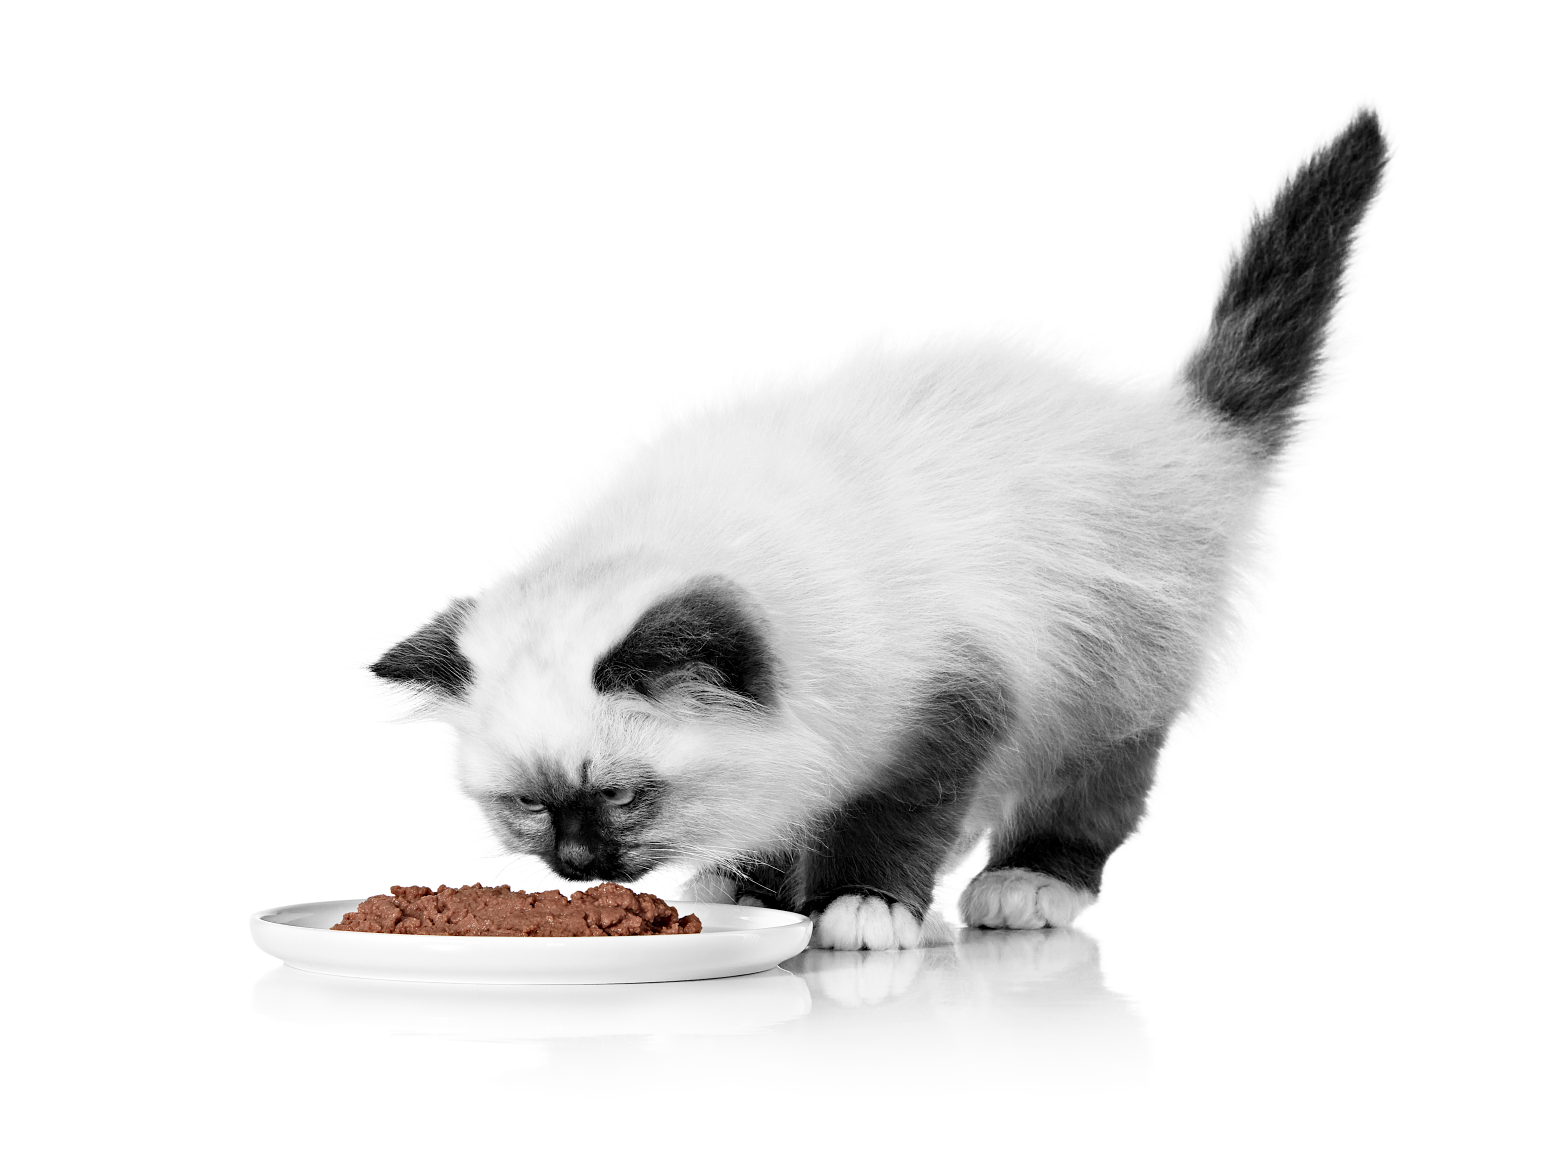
[(499, 959), (268, 916)]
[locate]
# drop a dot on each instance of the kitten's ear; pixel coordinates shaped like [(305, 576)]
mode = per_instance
[(704, 630), (430, 659)]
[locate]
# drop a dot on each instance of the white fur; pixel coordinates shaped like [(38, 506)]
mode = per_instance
[(1021, 899), (855, 921), (1084, 536), (709, 886), (713, 886)]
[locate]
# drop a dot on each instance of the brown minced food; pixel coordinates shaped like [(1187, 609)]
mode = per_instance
[(606, 909)]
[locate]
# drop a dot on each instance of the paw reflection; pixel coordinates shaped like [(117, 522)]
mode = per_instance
[(860, 978), (1049, 953), (1044, 983)]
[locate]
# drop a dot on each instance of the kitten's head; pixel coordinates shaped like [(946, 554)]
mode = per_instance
[(610, 724)]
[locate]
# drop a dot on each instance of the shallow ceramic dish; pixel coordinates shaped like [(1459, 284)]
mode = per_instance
[(735, 940)]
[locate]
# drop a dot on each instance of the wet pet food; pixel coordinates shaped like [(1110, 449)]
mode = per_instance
[(606, 909)]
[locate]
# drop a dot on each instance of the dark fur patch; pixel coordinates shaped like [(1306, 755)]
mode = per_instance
[(893, 838), (703, 632), (771, 879), (582, 851), (1075, 862), (1098, 801), (430, 659), (578, 831), (1267, 332), (597, 840)]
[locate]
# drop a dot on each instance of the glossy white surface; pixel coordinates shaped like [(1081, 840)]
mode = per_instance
[(734, 941), (317, 315), (738, 1004)]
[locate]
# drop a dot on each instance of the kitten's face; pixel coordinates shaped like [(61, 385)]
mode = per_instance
[(600, 732), (601, 821)]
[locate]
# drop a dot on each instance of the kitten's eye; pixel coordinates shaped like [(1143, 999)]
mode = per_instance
[(527, 804), (618, 796)]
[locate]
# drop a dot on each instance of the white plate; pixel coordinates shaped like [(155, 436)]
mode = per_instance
[(734, 941)]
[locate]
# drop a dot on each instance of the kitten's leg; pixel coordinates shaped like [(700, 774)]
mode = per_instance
[(760, 881), (868, 880), (767, 881), (710, 885), (1046, 864)]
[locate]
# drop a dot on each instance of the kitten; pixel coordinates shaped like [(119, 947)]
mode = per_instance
[(816, 645)]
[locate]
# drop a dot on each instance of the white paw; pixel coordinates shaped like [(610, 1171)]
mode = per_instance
[(855, 921), (1021, 899), (709, 886)]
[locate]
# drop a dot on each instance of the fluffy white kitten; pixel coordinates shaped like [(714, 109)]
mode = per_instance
[(817, 644)]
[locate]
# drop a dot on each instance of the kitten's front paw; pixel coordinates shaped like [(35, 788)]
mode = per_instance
[(855, 921), (1021, 899)]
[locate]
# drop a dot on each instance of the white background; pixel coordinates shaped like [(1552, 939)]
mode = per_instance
[(317, 315)]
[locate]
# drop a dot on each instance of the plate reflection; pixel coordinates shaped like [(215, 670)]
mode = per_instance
[(533, 1012)]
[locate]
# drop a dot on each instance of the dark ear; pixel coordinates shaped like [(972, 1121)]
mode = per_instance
[(703, 630), (430, 659)]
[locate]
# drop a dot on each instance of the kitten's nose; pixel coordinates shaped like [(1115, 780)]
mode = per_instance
[(577, 842), (574, 854)]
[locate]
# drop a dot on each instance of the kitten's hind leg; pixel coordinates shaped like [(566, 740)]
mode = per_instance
[(1046, 863)]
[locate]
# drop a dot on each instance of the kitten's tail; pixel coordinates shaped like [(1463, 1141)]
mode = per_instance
[(1264, 342)]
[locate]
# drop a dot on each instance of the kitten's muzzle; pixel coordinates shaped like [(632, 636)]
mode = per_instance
[(577, 864), (582, 853), (575, 856)]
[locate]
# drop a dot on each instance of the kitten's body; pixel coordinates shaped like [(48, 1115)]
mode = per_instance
[(817, 643), (887, 525)]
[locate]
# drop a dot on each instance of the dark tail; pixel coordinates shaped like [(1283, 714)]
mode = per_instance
[(1264, 342)]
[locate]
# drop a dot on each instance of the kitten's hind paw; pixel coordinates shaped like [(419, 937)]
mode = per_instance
[(1021, 899), (854, 921)]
